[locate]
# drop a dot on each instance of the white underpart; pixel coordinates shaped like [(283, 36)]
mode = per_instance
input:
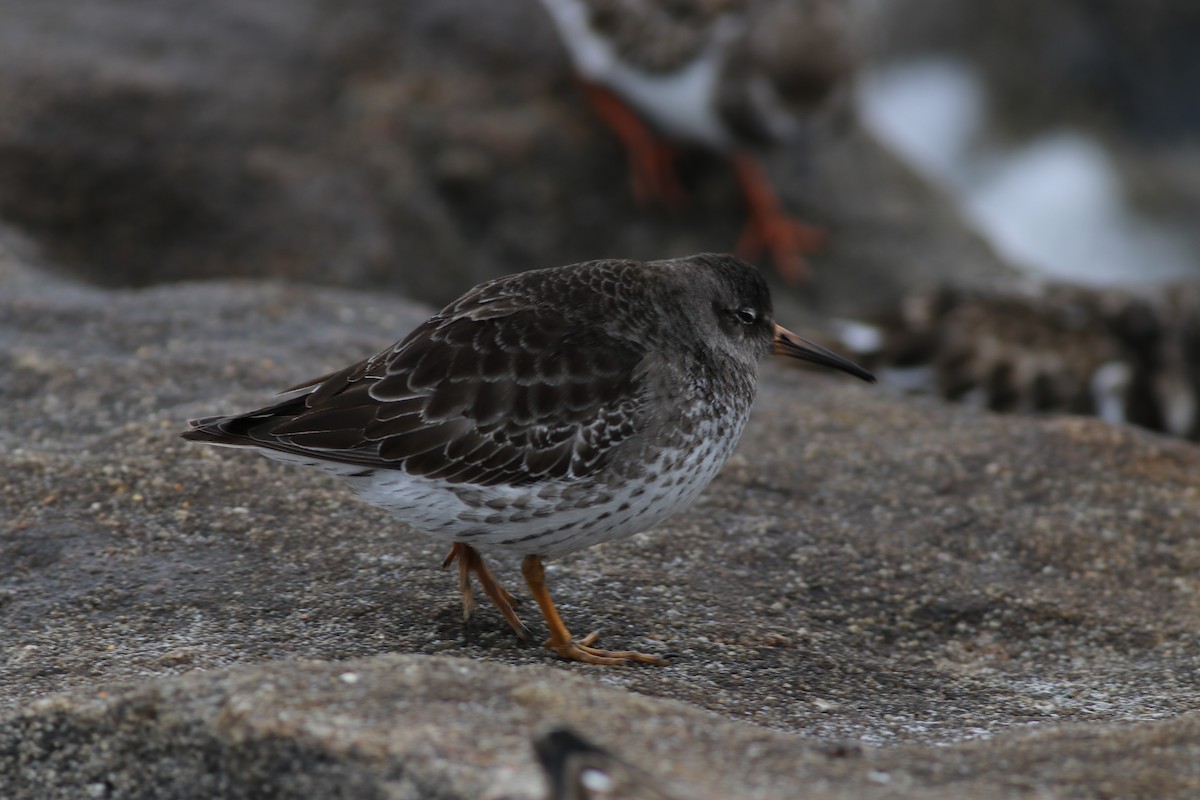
[(682, 104), (552, 517), (1110, 384)]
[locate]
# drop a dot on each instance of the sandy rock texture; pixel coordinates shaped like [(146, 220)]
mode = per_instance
[(878, 596)]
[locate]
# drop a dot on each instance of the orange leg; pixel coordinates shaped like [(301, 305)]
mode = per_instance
[(651, 160), (770, 228), (470, 561), (560, 641)]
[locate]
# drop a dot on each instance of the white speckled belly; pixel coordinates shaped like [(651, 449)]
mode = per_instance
[(550, 518)]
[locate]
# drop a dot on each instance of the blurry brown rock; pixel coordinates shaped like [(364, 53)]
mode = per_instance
[(416, 147)]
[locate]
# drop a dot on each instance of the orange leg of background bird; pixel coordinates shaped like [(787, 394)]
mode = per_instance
[(560, 641), (651, 160), (469, 561), (770, 228)]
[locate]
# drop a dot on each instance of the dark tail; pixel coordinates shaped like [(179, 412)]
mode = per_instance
[(239, 430)]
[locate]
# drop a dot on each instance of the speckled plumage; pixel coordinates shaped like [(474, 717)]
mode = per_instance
[(541, 412)]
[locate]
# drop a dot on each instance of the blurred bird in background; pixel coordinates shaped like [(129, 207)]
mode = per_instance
[(729, 76)]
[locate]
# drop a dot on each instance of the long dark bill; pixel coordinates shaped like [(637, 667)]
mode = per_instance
[(787, 343)]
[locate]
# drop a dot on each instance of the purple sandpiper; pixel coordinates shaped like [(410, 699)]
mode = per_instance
[(541, 413)]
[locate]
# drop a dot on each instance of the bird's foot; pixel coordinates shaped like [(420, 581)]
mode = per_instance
[(561, 642), (770, 229), (786, 239), (652, 169), (654, 178), (469, 561), (581, 650)]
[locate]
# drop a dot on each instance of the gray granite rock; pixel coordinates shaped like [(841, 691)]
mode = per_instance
[(416, 727), (871, 579)]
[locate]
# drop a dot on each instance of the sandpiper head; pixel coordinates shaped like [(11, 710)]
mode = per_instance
[(806, 48), (730, 305), (726, 302)]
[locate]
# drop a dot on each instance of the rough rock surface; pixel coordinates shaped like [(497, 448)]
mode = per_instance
[(416, 727), (412, 146), (871, 578)]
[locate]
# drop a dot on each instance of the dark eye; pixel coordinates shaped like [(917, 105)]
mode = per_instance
[(746, 316)]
